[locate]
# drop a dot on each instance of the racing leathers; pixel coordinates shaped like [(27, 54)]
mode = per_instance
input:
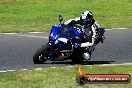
[(92, 26)]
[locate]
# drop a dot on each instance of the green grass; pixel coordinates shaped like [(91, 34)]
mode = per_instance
[(62, 77), (40, 15)]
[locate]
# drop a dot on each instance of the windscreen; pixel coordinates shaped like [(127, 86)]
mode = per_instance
[(68, 31)]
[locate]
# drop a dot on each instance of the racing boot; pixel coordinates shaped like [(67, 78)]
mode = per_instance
[(87, 55)]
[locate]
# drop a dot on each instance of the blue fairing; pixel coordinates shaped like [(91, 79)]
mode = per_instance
[(75, 32), (62, 33), (64, 30), (63, 36), (54, 32)]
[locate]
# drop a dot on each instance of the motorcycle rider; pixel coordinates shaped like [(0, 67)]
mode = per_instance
[(87, 22)]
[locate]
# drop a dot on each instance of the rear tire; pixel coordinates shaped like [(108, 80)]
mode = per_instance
[(41, 54), (77, 58)]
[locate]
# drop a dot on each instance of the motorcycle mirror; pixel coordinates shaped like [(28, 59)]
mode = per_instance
[(60, 18)]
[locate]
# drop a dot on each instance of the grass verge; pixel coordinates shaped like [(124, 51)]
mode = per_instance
[(61, 77), (40, 15)]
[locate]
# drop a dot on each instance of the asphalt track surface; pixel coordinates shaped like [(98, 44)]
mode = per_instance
[(16, 50)]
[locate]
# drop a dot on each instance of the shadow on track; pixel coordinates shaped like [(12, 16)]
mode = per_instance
[(83, 63)]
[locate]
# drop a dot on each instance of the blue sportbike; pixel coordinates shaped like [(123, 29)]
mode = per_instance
[(64, 44)]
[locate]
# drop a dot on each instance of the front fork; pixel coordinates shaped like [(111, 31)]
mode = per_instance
[(52, 50)]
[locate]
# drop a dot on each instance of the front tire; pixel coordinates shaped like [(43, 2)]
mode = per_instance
[(41, 54)]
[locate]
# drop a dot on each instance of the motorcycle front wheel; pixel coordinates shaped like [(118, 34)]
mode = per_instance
[(41, 54)]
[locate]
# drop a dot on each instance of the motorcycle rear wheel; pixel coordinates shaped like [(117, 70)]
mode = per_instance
[(77, 58), (41, 55)]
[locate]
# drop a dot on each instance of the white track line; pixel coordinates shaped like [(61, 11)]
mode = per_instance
[(70, 66), (34, 36), (24, 69), (35, 32), (127, 63), (119, 28), (43, 32), (64, 67), (9, 33), (2, 71), (45, 37), (38, 69), (107, 29), (53, 67), (11, 70)]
